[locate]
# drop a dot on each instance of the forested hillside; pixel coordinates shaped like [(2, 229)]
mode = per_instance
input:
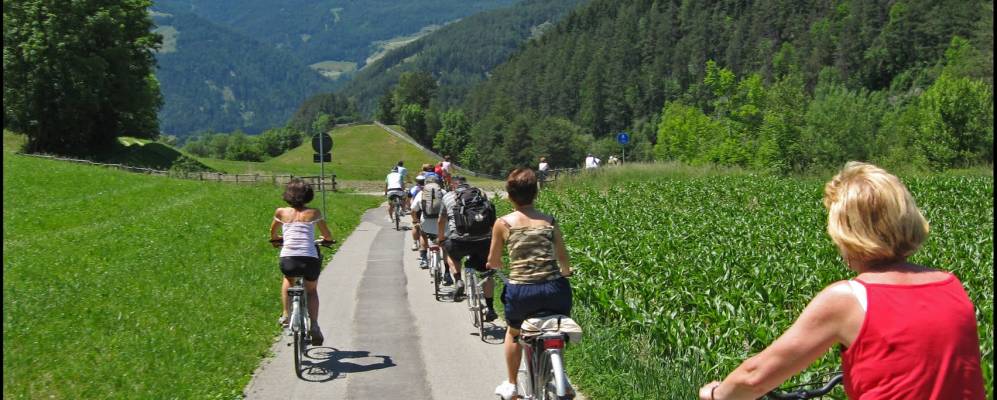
[(781, 85), (459, 55), (245, 64), (214, 79)]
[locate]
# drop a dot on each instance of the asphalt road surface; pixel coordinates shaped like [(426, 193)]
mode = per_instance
[(386, 336)]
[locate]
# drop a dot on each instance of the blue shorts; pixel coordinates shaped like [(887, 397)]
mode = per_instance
[(525, 300)]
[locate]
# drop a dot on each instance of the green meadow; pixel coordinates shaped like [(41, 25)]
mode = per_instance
[(123, 285)]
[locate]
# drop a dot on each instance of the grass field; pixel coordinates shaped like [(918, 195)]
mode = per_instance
[(360, 153), (120, 285), (683, 274)]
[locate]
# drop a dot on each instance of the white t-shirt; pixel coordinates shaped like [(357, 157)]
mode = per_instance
[(394, 181), (446, 166), (544, 167), (591, 162), (428, 225), (403, 172)]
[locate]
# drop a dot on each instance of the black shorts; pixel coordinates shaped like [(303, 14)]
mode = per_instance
[(308, 267), (523, 301), (476, 252)]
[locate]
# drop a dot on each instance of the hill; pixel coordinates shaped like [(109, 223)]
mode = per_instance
[(780, 72), (141, 286), (360, 152), (216, 79), (234, 64), (460, 54)]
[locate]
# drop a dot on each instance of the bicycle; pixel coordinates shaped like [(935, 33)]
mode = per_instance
[(300, 322), (803, 394), (436, 265), (396, 203), (541, 373), (476, 299)]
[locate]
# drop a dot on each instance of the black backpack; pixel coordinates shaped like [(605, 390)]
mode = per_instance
[(474, 214)]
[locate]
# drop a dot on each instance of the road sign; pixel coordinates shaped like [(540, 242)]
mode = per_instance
[(325, 157), (322, 143), (623, 138)]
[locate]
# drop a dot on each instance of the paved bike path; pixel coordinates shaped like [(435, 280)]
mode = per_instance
[(386, 335)]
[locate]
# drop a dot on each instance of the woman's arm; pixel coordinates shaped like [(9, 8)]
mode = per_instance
[(323, 227), (274, 224), (562, 252), (498, 240), (819, 327)]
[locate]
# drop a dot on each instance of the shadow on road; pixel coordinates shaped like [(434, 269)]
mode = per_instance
[(328, 363), (494, 334)]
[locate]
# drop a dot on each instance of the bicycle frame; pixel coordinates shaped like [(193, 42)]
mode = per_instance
[(807, 394), (544, 365)]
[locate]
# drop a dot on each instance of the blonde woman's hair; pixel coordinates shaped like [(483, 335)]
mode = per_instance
[(871, 214)]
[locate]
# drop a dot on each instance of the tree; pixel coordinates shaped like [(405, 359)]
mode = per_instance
[(277, 141), (78, 74), (454, 134), (413, 120), (386, 109), (415, 88)]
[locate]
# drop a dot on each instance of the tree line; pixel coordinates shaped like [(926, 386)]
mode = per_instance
[(791, 86)]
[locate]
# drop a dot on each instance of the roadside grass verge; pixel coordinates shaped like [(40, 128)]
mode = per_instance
[(681, 277), (122, 285)]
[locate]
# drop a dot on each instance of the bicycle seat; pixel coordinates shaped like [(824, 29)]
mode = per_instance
[(550, 322)]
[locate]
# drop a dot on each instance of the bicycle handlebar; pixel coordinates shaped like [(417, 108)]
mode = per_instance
[(807, 394), (318, 242)]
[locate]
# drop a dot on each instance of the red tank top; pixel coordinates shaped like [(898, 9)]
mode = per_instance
[(917, 342)]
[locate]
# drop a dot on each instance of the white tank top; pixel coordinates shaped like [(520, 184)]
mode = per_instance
[(299, 238)]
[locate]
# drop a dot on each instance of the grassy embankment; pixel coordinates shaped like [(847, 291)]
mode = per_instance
[(686, 271), (122, 285), (361, 156)]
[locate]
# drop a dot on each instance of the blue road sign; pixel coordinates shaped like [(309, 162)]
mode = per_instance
[(623, 138)]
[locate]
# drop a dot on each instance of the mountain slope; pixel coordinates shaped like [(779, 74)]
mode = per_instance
[(215, 79), (461, 54)]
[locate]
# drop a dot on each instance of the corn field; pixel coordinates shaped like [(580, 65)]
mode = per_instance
[(681, 279)]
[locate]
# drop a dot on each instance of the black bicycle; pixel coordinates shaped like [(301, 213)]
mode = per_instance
[(799, 392)]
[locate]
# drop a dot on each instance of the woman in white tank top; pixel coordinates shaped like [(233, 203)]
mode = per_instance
[(298, 256)]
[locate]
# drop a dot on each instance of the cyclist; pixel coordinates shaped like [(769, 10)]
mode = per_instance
[(393, 187), (459, 245), (542, 169), (445, 166), (298, 256), (427, 206), (908, 331), (429, 171), (538, 267), (404, 173), (414, 191)]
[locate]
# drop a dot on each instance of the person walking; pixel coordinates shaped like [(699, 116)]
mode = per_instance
[(592, 162)]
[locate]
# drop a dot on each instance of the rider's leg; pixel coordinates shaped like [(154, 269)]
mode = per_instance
[(490, 293), (513, 354), (284, 301), (311, 287)]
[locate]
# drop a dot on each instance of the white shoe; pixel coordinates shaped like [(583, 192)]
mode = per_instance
[(506, 390)]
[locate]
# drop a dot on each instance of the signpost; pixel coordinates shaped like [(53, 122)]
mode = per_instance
[(623, 138), (322, 144)]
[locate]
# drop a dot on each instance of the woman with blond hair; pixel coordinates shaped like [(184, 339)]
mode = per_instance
[(907, 331)]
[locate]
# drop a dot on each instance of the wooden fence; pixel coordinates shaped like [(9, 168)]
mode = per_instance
[(277, 180)]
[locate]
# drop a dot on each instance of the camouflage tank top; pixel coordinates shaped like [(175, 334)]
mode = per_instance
[(531, 252)]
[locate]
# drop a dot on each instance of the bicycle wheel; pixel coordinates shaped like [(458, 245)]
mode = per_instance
[(471, 287), (398, 212), (553, 371), (437, 274), (298, 330)]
